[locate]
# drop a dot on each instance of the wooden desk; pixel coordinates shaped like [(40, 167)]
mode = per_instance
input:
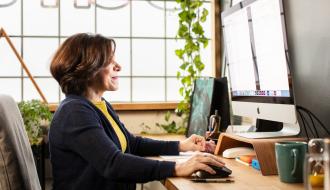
[(246, 178)]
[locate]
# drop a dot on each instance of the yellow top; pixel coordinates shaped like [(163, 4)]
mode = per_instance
[(103, 107)]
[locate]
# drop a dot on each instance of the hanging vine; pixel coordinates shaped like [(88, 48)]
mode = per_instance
[(191, 17)]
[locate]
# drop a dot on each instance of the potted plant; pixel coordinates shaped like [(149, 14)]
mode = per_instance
[(36, 116)]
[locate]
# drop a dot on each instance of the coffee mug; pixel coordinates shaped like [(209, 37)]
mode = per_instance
[(290, 157)]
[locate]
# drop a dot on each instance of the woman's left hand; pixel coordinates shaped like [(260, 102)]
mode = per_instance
[(196, 143)]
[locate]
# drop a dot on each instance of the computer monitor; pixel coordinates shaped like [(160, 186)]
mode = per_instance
[(209, 94), (259, 68)]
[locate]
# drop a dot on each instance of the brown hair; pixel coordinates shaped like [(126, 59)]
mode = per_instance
[(79, 59)]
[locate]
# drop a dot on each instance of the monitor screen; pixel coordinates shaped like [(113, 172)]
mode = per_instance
[(209, 94), (258, 60)]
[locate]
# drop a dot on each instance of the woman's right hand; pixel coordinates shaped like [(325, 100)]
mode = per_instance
[(199, 161)]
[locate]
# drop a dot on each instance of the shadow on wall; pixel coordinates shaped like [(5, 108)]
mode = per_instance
[(308, 26)]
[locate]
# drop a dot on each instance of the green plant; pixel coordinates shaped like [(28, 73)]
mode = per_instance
[(35, 113), (145, 128), (191, 17), (171, 126)]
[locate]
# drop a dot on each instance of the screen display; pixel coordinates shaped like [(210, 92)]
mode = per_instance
[(257, 53)]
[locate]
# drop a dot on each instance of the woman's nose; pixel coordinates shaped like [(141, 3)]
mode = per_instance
[(117, 67)]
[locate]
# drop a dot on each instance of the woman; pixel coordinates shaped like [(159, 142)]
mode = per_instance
[(90, 148)]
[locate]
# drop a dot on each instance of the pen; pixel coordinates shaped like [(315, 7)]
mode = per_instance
[(242, 162), (212, 180)]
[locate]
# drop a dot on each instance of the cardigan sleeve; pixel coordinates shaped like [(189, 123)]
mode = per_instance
[(84, 135), (150, 147)]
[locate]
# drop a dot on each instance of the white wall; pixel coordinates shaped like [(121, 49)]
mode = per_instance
[(135, 121)]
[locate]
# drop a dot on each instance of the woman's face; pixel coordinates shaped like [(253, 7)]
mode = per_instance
[(109, 76)]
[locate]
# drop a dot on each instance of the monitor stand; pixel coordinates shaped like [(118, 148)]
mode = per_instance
[(264, 148), (265, 129)]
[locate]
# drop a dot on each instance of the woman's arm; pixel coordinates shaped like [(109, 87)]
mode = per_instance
[(84, 135), (145, 146), (150, 147)]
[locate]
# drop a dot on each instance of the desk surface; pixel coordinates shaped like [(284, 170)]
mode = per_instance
[(245, 177)]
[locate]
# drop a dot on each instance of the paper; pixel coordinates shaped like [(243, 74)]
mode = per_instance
[(182, 156)]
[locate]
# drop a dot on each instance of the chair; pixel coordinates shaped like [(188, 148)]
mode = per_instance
[(17, 166)]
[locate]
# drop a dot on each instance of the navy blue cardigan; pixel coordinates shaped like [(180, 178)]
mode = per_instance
[(86, 153)]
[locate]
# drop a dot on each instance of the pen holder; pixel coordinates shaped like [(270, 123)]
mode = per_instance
[(213, 131)]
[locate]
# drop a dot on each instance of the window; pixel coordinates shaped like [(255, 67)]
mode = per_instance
[(144, 31)]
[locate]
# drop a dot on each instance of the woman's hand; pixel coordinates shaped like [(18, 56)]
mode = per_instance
[(196, 143), (210, 146), (193, 143), (199, 161)]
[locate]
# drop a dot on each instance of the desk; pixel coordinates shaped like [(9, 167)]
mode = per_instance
[(246, 178)]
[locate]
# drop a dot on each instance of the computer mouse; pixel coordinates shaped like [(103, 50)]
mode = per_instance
[(221, 172)]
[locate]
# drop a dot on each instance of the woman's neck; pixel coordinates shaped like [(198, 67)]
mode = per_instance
[(93, 95)]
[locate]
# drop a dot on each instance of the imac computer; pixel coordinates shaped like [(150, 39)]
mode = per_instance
[(258, 65)]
